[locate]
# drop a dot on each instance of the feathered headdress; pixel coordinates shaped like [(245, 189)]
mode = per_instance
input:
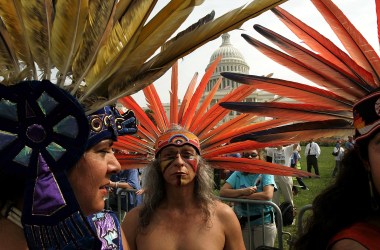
[(202, 127), (96, 51), (342, 80)]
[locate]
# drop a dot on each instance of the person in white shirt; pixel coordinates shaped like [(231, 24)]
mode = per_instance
[(338, 152), (312, 152), (281, 155)]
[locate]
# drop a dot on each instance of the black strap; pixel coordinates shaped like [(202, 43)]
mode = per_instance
[(255, 217)]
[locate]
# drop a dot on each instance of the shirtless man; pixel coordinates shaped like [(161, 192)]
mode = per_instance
[(179, 209)]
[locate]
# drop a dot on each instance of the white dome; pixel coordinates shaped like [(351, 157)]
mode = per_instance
[(228, 51)]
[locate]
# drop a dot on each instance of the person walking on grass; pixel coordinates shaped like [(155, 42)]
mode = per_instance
[(312, 152)]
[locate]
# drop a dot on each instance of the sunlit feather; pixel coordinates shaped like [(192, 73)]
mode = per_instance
[(38, 19), (67, 34)]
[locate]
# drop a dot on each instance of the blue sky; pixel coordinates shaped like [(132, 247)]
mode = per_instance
[(360, 12)]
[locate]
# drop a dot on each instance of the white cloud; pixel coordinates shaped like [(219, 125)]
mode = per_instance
[(361, 13)]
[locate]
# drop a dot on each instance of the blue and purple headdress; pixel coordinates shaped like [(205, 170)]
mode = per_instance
[(43, 133)]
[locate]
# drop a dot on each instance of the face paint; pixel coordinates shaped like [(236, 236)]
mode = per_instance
[(168, 160)]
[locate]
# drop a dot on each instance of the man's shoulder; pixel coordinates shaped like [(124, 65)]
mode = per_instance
[(223, 210)]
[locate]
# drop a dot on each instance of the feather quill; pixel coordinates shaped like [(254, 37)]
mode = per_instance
[(289, 111), (297, 91)]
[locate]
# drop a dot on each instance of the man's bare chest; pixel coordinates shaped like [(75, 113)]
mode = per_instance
[(186, 234)]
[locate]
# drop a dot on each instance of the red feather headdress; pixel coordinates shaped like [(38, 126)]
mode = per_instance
[(341, 79)]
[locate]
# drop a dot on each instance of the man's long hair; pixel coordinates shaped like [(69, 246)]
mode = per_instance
[(154, 184)]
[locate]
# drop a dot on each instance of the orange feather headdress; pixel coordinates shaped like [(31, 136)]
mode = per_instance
[(200, 127)]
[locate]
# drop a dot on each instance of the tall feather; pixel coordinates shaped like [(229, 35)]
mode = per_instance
[(174, 95), (67, 34), (211, 30), (356, 45), (38, 19), (97, 29), (187, 97)]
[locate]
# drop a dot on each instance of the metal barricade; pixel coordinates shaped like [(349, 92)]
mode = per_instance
[(277, 215), (300, 218), (119, 193)]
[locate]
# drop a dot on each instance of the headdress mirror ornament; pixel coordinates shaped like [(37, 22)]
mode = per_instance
[(366, 114), (108, 123)]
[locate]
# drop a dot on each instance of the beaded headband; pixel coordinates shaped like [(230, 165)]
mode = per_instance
[(177, 138)]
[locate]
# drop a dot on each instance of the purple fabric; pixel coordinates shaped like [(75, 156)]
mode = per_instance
[(47, 197), (107, 231)]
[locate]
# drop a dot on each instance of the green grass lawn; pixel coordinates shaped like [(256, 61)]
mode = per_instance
[(326, 163)]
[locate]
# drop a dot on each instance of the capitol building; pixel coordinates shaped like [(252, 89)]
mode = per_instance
[(232, 61)]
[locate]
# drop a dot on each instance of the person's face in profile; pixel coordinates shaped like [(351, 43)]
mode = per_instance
[(91, 175), (179, 164)]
